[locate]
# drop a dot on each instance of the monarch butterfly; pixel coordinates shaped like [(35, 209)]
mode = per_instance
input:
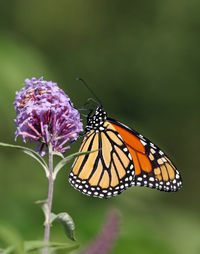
[(123, 158)]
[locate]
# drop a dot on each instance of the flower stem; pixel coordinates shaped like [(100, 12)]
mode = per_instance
[(49, 200)]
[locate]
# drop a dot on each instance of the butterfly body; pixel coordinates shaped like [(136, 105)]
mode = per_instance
[(122, 158)]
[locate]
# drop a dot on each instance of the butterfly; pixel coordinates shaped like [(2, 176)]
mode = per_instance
[(122, 158)]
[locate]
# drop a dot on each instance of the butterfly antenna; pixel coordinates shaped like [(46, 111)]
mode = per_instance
[(91, 91)]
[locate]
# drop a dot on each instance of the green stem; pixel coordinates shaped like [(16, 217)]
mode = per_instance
[(49, 200)]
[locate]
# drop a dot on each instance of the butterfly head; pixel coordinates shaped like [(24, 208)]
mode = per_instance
[(96, 120)]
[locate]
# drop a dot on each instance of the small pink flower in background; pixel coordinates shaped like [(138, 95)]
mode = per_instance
[(105, 241), (46, 115)]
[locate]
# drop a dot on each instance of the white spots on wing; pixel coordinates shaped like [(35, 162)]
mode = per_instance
[(144, 143), (152, 145), (119, 136), (129, 155), (163, 159), (161, 152)]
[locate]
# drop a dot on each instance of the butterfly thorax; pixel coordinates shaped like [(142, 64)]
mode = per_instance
[(96, 121)]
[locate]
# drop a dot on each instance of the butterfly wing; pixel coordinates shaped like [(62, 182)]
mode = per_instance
[(106, 172), (152, 166), (122, 158)]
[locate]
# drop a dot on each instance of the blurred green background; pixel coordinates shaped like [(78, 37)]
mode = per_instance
[(142, 59)]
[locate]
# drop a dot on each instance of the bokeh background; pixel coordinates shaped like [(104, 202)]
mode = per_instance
[(142, 59)]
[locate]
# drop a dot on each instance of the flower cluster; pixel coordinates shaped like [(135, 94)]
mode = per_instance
[(46, 115)]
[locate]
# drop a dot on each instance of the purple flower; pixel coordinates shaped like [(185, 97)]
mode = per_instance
[(103, 243), (46, 115)]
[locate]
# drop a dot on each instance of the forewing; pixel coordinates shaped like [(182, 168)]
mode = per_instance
[(152, 166)]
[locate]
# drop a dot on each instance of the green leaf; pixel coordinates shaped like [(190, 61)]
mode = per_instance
[(64, 161), (58, 154), (66, 221), (67, 250), (7, 250), (31, 153), (36, 245), (45, 209), (10, 237)]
